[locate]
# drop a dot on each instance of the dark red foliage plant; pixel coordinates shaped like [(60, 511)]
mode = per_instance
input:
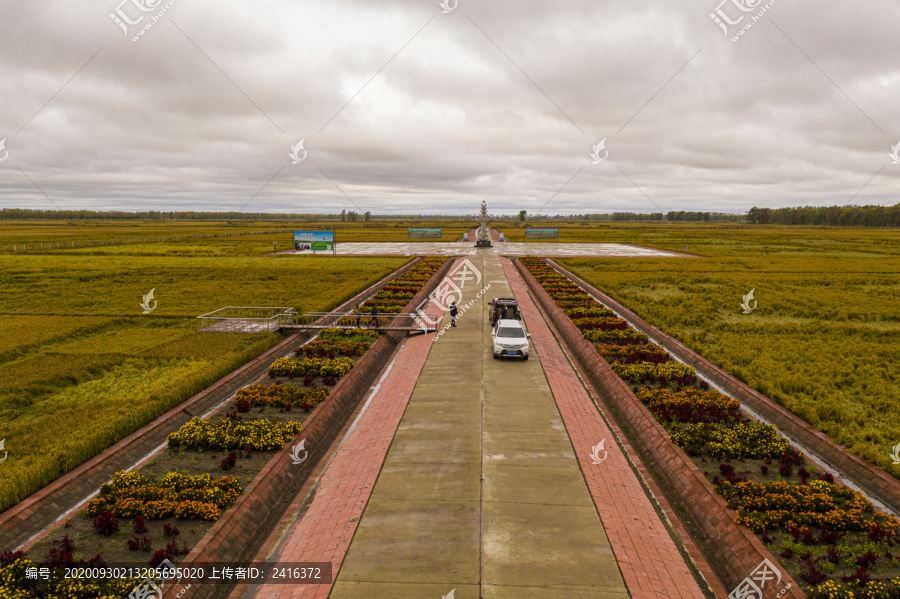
[(61, 553), (228, 462), (811, 572), (106, 524), (170, 531), (9, 557), (158, 557), (139, 525)]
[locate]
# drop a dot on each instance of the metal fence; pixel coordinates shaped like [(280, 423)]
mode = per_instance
[(402, 321), (251, 319), (246, 319)]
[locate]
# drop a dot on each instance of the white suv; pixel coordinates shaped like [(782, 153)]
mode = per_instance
[(509, 339)]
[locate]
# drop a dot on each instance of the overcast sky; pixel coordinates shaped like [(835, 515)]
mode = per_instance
[(405, 108)]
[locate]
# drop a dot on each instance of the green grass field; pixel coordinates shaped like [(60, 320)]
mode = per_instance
[(81, 366), (823, 340)]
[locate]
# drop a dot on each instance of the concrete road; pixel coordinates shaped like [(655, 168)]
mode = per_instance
[(480, 492)]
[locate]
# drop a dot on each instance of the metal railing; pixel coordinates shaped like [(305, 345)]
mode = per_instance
[(252, 319), (399, 321), (246, 319)]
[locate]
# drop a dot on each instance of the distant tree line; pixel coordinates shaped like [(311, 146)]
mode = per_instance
[(837, 216), (846, 216), (353, 216), (27, 214)]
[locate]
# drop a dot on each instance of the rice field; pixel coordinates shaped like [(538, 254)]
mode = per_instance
[(823, 339), (82, 366), (233, 238)]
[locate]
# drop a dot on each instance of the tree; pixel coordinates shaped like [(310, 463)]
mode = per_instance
[(343, 215), (522, 214), (367, 215)]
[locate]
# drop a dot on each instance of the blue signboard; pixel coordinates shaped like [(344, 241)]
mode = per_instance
[(311, 242), (424, 233), (541, 233)]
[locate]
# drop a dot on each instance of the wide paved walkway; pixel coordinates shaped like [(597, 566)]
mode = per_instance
[(481, 492), (544, 248)]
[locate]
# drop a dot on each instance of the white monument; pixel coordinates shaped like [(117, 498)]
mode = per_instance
[(484, 237)]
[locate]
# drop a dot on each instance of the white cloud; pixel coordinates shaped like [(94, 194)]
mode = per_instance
[(501, 101)]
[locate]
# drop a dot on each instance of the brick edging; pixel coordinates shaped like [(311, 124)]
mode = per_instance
[(39, 510), (875, 481), (734, 550), (241, 529)]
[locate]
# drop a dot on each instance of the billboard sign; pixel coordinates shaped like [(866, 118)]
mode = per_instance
[(313, 242), (424, 233), (541, 233)]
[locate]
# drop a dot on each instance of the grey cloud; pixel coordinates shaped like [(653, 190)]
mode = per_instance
[(476, 106)]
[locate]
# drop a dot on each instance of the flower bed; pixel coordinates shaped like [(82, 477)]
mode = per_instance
[(616, 337), (316, 367), (231, 432), (630, 354), (825, 534), (278, 395), (600, 323), (131, 494), (15, 583), (780, 505), (136, 498), (691, 405), (587, 311), (396, 294), (654, 372)]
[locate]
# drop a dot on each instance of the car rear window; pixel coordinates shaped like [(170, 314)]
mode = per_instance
[(510, 332)]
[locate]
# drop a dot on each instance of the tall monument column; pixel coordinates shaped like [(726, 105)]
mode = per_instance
[(484, 238)]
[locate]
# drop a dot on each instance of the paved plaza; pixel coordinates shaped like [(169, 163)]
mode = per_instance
[(467, 248)]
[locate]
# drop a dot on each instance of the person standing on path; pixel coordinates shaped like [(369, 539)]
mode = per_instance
[(374, 322), (358, 314), (453, 314)]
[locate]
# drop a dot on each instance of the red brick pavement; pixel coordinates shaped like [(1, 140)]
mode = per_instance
[(326, 530), (648, 558)]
